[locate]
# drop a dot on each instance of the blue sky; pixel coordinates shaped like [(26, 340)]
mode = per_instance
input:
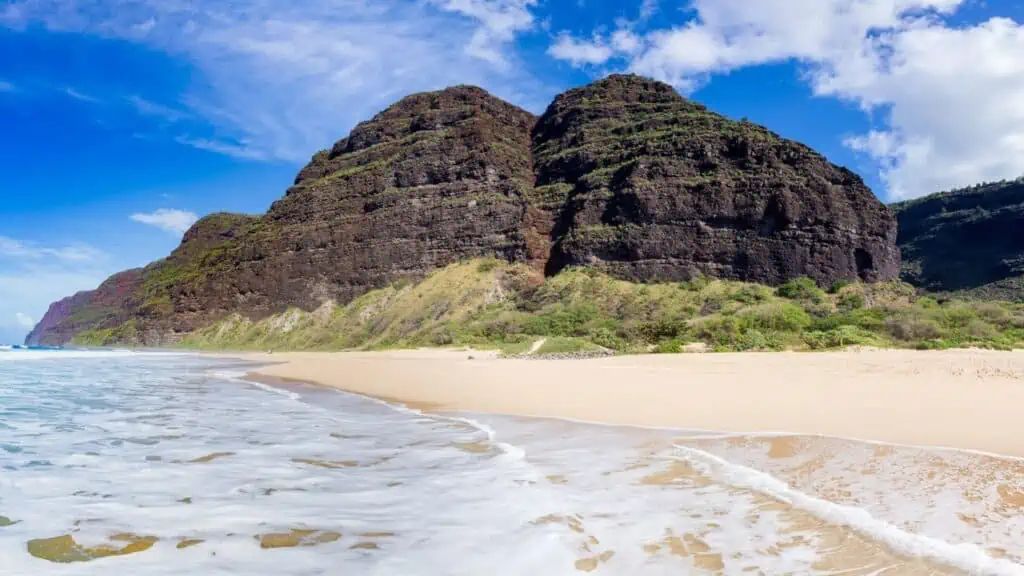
[(123, 120)]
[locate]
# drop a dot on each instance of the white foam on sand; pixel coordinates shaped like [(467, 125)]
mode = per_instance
[(967, 557)]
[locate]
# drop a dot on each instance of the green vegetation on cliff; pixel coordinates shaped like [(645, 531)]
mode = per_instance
[(968, 241), (492, 304)]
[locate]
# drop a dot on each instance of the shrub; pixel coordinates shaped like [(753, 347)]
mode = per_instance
[(755, 340), (913, 328), (850, 301), (750, 294), (712, 305), (841, 337), (838, 285), (696, 284), (818, 309), (978, 328), (487, 265), (607, 338), (669, 347), (561, 321), (442, 337), (994, 313), (664, 329), (801, 289), (780, 316), (718, 330)]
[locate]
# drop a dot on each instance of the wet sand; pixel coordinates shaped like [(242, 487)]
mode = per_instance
[(965, 399)]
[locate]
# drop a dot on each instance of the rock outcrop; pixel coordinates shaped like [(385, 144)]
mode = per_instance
[(623, 174), (660, 188), (969, 240)]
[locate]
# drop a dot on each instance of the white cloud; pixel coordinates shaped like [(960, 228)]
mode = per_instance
[(13, 249), (24, 320), (80, 96), (951, 98), (626, 42), (7, 86), (170, 220), (580, 52), (148, 108), (500, 21), (277, 79)]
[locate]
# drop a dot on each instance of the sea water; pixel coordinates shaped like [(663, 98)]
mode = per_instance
[(132, 463)]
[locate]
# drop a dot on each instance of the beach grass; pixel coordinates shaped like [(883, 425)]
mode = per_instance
[(491, 304)]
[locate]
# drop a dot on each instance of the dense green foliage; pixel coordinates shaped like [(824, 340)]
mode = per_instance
[(491, 304), (967, 241)]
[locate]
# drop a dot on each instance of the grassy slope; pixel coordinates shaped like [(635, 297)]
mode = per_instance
[(487, 303)]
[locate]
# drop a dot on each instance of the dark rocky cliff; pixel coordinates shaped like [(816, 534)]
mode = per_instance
[(660, 188), (969, 240), (623, 174)]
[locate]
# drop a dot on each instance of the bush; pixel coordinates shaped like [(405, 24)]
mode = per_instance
[(994, 313), (607, 338), (669, 347), (442, 337), (850, 301), (781, 317), (841, 337), (913, 328), (562, 321), (981, 330), (664, 329), (712, 305), (718, 330), (696, 284), (755, 340), (955, 316), (838, 285), (487, 265), (750, 294), (803, 289)]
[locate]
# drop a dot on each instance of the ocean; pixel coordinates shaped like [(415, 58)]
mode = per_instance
[(172, 464)]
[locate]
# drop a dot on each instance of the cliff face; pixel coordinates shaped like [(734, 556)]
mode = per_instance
[(623, 174), (659, 188), (966, 240)]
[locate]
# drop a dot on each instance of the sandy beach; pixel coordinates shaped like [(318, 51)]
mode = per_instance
[(965, 399)]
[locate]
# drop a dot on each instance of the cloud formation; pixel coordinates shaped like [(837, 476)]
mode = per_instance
[(24, 320), (278, 79), (167, 219), (951, 97), (12, 249)]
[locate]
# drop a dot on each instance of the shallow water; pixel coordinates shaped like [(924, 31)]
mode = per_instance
[(169, 464)]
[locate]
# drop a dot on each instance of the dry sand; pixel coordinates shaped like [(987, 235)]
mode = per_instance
[(967, 399)]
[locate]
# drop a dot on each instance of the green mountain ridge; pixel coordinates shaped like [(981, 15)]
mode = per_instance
[(969, 242)]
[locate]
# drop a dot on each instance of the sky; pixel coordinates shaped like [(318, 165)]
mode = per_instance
[(122, 121)]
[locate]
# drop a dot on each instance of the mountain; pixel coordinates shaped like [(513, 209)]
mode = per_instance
[(624, 175), (969, 241), (659, 188)]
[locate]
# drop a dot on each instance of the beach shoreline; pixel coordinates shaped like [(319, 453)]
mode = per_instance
[(956, 399)]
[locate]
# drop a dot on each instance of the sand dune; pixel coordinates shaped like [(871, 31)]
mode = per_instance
[(968, 399)]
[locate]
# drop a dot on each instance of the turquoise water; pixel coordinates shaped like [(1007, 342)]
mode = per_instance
[(181, 467)]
